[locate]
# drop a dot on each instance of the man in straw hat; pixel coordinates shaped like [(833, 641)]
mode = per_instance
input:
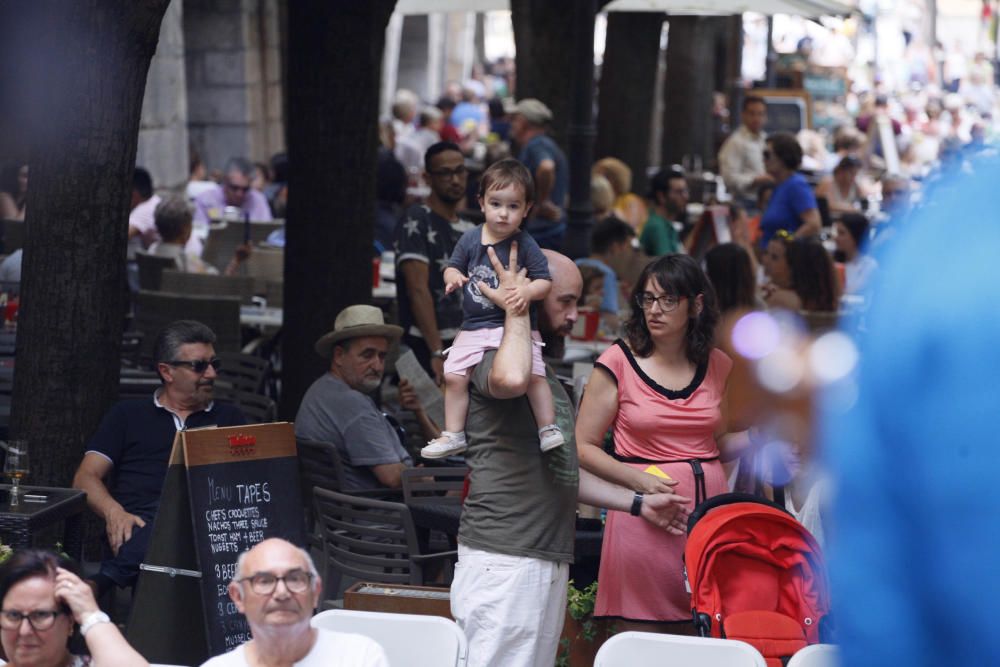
[(337, 407)]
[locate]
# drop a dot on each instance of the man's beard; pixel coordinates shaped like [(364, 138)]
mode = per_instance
[(368, 385)]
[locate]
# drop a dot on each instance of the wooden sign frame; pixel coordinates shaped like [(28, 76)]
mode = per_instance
[(181, 613)]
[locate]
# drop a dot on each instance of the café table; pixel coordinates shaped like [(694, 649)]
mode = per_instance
[(272, 318), (39, 508), (257, 316)]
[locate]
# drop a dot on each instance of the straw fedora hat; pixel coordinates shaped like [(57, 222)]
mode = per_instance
[(355, 322)]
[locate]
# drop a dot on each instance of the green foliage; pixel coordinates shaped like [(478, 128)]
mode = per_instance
[(580, 605)]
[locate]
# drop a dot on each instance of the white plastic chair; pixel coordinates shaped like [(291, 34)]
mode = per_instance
[(817, 655), (646, 649), (408, 639)]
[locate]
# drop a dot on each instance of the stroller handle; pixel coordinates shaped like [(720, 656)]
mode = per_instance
[(728, 499)]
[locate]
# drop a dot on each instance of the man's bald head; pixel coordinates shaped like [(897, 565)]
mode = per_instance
[(559, 312)]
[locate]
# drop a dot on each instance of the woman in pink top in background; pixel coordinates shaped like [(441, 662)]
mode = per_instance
[(662, 392)]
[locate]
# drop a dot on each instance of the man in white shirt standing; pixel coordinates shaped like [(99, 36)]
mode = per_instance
[(741, 158), (277, 588)]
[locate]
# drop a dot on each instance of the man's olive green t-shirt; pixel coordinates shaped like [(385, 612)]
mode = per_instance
[(521, 502)]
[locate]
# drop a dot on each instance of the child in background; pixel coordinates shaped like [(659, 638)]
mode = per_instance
[(506, 192)]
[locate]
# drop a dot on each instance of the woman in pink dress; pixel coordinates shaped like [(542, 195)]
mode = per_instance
[(661, 391)]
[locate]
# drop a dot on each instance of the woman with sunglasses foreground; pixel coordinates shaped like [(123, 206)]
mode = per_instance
[(43, 600)]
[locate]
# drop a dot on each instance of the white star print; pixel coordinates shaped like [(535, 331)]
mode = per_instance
[(431, 234), (411, 226)]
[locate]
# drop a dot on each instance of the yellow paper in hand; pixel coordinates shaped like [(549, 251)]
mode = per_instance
[(653, 470)]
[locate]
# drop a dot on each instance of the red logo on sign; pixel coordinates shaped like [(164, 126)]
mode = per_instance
[(242, 445)]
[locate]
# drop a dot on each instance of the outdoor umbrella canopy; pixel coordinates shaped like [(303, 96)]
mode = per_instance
[(808, 8)]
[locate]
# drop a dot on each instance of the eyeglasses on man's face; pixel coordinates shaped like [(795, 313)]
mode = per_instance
[(40, 619), (667, 302), (199, 366), (457, 172), (237, 188), (264, 583)]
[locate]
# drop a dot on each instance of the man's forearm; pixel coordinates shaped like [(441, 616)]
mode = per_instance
[(602, 493), (422, 305), (98, 498), (545, 179), (512, 365), (427, 425)]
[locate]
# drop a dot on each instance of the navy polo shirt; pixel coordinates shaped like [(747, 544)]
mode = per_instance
[(136, 436)]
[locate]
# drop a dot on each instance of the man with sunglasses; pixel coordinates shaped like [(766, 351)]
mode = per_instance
[(234, 191), (126, 460), (276, 588)]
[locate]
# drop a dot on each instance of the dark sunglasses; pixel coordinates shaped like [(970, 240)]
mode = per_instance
[(767, 155), (238, 188), (199, 366)]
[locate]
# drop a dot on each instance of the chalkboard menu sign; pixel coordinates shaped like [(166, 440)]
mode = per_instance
[(227, 489)]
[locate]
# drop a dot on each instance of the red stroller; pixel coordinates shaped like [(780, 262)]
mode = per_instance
[(757, 575)]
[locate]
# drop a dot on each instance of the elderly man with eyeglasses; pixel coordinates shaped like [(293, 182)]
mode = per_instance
[(234, 191), (276, 588), (125, 462)]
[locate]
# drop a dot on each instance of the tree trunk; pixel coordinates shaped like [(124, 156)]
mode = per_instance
[(691, 72), (628, 84), (543, 41), (334, 63), (88, 62)]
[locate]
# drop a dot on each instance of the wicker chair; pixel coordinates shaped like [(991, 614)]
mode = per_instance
[(372, 540)]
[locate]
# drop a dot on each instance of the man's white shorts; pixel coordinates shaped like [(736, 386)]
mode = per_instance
[(511, 607)]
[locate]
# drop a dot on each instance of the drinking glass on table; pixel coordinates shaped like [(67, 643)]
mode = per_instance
[(15, 466)]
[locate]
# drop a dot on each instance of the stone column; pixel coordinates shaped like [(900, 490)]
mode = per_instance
[(163, 132), (234, 81)]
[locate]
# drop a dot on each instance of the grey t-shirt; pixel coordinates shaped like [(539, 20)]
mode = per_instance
[(333, 412), (521, 502), (471, 258)]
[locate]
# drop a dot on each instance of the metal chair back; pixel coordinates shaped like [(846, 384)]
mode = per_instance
[(369, 539), (205, 284), (155, 310), (151, 268), (431, 486)]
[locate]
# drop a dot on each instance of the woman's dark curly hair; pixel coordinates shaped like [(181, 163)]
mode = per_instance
[(680, 276), (814, 277), (28, 563)]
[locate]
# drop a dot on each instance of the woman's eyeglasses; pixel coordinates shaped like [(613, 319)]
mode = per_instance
[(667, 302), (199, 366), (39, 619)]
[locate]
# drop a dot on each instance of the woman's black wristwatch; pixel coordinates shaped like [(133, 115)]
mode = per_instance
[(636, 504)]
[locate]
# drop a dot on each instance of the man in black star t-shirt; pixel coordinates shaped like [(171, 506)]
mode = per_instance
[(425, 239)]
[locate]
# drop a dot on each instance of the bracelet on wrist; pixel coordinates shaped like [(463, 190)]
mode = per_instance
[(92, 619), (437, 354), (636, 504)]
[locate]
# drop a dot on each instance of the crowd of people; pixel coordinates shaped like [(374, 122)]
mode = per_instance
[(471, 199)]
